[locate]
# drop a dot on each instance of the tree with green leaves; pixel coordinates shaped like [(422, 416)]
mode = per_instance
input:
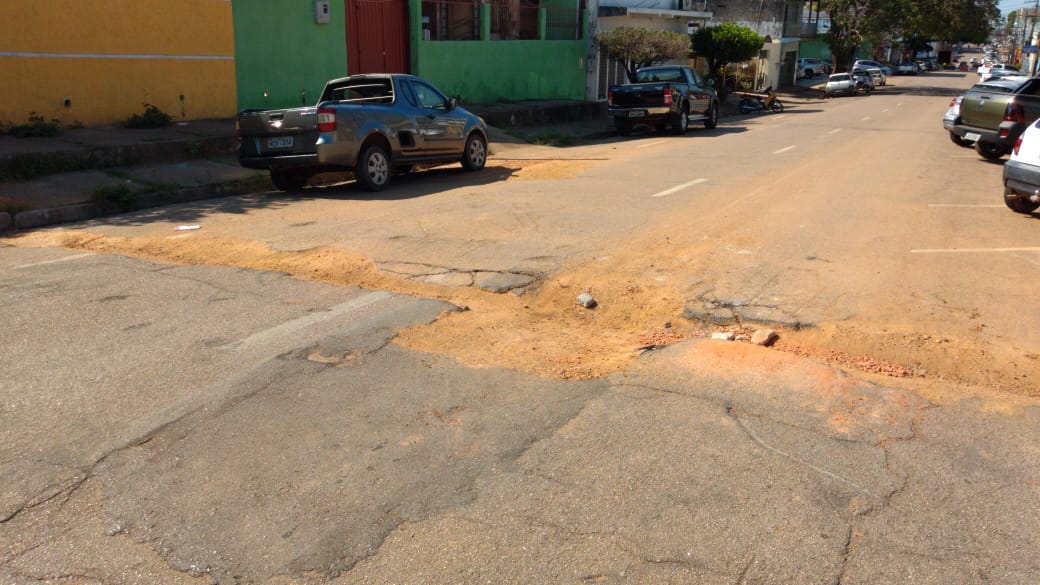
[(642, 47), (724, 44), (909, 24)]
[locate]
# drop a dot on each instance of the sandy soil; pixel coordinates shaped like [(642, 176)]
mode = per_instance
[(546, 333)]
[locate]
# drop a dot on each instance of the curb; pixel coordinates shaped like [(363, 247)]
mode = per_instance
[(35, 218), (28, 166)]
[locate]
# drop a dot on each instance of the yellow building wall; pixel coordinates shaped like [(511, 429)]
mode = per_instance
[(100, 61)]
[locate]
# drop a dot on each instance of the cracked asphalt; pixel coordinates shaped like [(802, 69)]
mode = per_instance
[(311, 450)]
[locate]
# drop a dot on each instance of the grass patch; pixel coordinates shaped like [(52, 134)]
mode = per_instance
[(152, 117), (13, 206), (37, 127), (114, 198)]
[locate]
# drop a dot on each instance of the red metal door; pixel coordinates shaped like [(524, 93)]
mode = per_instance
[(377, 36)]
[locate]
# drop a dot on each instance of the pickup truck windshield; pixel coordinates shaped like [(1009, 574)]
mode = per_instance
[(367, 90)]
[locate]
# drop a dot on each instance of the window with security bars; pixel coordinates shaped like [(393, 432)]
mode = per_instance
[(451, 20)]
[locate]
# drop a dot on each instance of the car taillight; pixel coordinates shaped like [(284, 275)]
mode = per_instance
[(1015, 113), (610, 98), (953, 102), (667, 96), (1018, 144), (326, 120)]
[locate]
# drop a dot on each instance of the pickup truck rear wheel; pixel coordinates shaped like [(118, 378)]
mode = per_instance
[(475, 155), (289, 180), (373, 169), (960, 141), (681, 122), (713, 117), (988, 150)]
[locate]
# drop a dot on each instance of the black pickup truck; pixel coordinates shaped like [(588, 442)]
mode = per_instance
[(663, 96)]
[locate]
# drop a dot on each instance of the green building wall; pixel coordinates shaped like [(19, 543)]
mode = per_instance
[(490, 71), (282, 57)]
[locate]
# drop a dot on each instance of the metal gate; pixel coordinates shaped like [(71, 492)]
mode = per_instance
[(609, 72), (377, 36)]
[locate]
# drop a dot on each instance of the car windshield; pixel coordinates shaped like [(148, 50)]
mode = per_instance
[(653, 75), (839, 77)]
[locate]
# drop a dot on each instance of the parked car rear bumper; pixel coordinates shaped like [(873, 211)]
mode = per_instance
[(984, 135), (279, 162), (640, 113), (1020, 178)]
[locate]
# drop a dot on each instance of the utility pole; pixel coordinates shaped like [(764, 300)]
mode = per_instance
[(1032, 23)]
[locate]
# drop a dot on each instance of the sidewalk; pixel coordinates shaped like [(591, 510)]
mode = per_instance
[(91, 172)]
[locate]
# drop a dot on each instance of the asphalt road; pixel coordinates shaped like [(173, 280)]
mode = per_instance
[(163, 423)]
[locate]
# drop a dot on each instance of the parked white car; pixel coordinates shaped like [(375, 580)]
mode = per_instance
[(839, 83), (1022, 172), (950, 119), (812, 67)]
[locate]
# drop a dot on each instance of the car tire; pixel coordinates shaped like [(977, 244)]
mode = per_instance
[(1019, 204), (681, 122), (777, 106), (293, 180), (713, 117), (474, 157), (960, 141), (988, 150), (373, 168)]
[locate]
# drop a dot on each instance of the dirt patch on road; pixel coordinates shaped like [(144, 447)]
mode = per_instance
[(545, 332)]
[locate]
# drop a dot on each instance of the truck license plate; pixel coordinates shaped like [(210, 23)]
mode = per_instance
[(280, 142), (972, 136), (636, 114)]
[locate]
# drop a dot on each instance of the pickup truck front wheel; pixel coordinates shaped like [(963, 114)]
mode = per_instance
[(988, 150), (713, 117), (475, 156), (373, 169)]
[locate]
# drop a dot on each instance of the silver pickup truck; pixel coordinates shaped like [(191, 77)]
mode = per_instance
[(374, 125)]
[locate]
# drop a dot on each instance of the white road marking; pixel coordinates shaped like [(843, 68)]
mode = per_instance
[(654, 143), (965, 205), (885, 110), (784, 149), (65, 259), (316, 317), (777, 117), (835, 131), (865, 118), (972, 250), (678, 188)]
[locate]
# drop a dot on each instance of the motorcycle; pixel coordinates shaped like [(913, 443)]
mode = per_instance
[(754, 102)]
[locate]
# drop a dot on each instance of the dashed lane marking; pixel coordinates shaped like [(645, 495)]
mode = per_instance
[(65, 259), (865, 118), (835, 131), (678, 188), (965, 205), (972, 250), (653, 143), (784, 149)]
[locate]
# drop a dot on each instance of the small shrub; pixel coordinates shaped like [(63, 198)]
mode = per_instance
[(152, 117), (13, 206), (37, 127), (113, 197)]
